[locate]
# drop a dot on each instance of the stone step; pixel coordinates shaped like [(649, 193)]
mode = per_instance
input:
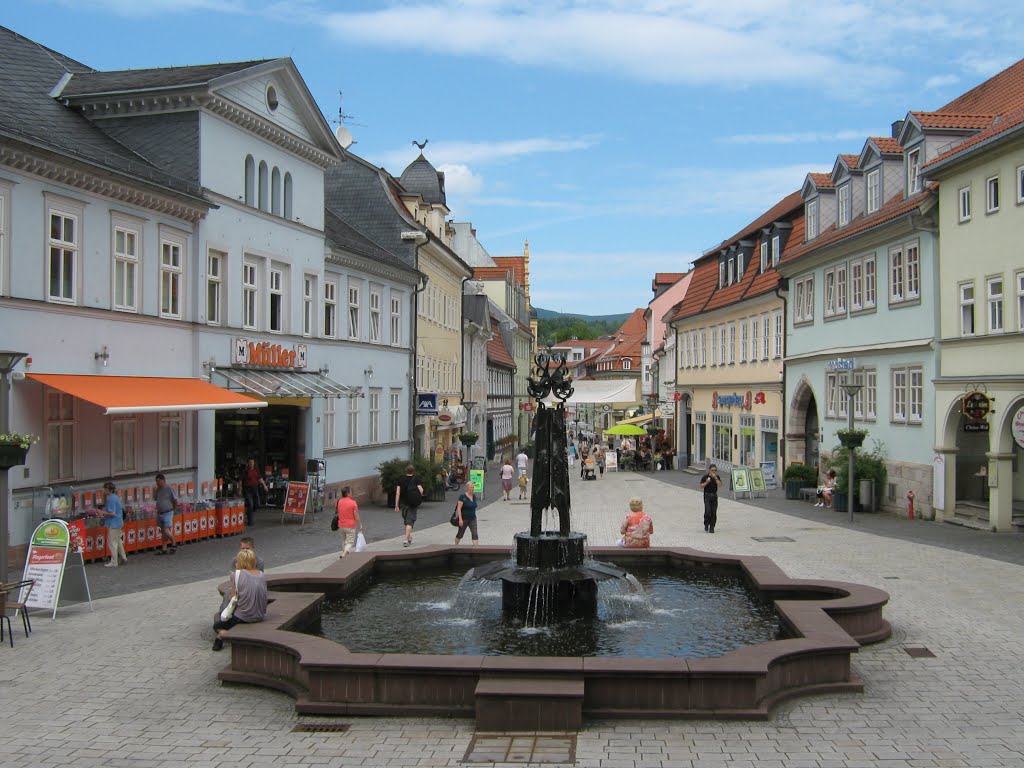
[(505, 703)]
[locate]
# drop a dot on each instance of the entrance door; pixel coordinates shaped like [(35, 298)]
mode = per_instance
[(811, 444), (971, 465)]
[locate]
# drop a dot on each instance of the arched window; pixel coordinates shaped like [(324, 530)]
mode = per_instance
[(288, 196), (250, 180), (264, 187), (275, 192)]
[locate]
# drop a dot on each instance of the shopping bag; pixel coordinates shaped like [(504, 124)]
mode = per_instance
[(360, 542)]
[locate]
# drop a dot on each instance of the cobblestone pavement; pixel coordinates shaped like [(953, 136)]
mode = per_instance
[(133, 682)]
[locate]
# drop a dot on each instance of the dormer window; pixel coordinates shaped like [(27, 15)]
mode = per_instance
[(739, 267), (626, 364), (721, 274), (776, 250), (844, 205), (874, 182), (764, 255), (811, 216), (913, 171), (732, 270)]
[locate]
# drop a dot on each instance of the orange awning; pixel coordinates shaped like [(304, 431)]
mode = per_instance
[(145, 394)]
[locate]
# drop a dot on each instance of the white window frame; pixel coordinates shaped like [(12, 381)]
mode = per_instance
[(331, 309), (780, 330), (755, 325), (870, 282), (61, 435), (744, 340), (66, 251), (627, 364), (776, 249), (250, 295), (803, 291), (396, 415), (373, 401), (215, 265), (995, 317), (330, 422), (964, 198), (766, 332), (721, 274), (739, 267), (354, 297), (171, 433), (842, 288), (396, 320), (1020, 301), (992, 194), (897, 280), (764, 255), (376, 299), (353, 422), (721, 345), (277, 294), (124, 444), (811, 219), (731, 270), (912, 270), (899, 380), (967, 309), (704, 349), (1020, 184), (172, 277), (845, 207), (829, 308), (915, 395), (309, 294), (873, 190), (870, 394), (913, 171), (126, 261), (732, 343)]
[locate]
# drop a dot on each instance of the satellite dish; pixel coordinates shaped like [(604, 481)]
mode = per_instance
[(344, 136)]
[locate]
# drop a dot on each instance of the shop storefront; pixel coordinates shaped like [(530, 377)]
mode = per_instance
[(735, 428)]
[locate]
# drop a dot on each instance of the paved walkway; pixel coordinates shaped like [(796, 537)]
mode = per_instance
[(133, 682)]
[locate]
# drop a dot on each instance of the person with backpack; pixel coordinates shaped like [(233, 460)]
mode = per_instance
[(410, 489)]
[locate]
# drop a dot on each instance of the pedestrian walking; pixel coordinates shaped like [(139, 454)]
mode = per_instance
[(508, 475), (521, 461), (710, 482), (524, 481), (166, 503), (600, 459), (408, 497), (113, 510), (465, 509), (252, 480), (572, 454), (348, 520)]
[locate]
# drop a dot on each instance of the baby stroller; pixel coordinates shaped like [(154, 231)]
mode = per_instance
[(589, 469)]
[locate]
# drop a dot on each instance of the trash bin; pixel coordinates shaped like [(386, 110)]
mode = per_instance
[(867, 495)]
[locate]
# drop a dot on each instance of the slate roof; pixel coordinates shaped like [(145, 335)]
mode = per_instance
[(1001, 93), (28, 114), (342, 235), (128, 80), (423, 179)]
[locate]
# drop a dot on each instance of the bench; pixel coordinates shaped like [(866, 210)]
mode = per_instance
[(529, 704), (808, 494)]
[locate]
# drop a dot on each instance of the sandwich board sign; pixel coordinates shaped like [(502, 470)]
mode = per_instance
[(295, 500), (58, 572)]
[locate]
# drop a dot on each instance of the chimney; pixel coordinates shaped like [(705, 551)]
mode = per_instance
[(897, 126)]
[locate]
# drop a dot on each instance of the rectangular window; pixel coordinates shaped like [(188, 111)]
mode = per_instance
[(916, 399), (764, 255), (60, 436), (250, 295), (170, 440), (63, 257), (965, 204), (330, 422), (396, 321), (353, 311), (122, 444), (721, 440), (1020, 184), (744, 340), (755, 324), (721, 274), (995, 304), (896, 275), (811, 219), (721, 346), (803, 311), (870, 393), (967, 309), (914, 171), (374, 399), (1020, 301), (780, 329), (331, 309), (844, 205), (215, 287), (874, 191), (308, 311), (171, 278), (375, 311), (856, 286), (776, 249), (731, 267), (396, 415), (276, 295), (766, 334), (830, 292), (739, 266), (841, 290), (832, 393), (714, 346), (703, 349), (992, 194), (732, 343), (353, 421), (912, 255), (693, 349), (870, 282), (899, 395), (858, 399), (126, 268)]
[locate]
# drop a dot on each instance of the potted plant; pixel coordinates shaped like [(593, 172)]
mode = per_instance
[(469, 438), (867, 466), (432, 474), (851, 438), (798, 476), (391, 471), (14, 449)]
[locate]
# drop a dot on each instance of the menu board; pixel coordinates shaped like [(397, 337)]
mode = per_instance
[(476, 476), (740, 481), (49, 553), (611, 461), (296, 498), (757, 481)]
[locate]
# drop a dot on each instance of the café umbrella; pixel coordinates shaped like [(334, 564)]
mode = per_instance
[(625, 429)]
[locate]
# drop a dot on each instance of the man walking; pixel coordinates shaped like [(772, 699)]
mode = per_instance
[(166, 502), (521, 461), (251, 482), (710, 483), (113, 510), (408, 497)]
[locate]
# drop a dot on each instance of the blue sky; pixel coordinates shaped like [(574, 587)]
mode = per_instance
[(620, 137)]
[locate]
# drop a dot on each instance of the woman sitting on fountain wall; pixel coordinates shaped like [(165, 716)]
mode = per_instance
[(466, 511), (638, 526), (250, 585)]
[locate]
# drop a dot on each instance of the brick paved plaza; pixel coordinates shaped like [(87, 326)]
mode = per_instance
[(133, 683)]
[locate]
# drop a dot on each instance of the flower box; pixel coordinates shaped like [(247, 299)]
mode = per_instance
[(12, 456)]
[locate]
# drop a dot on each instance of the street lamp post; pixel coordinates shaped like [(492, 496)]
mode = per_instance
[(7, 362), (851, 392)]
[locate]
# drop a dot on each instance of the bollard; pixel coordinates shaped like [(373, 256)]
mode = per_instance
[(910, 505)]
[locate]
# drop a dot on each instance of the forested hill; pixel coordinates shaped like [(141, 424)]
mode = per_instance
[(553, 327)]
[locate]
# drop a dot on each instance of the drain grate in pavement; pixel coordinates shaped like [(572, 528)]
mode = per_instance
[(320, 728), (521, 748), (918, 652), (772, 538)]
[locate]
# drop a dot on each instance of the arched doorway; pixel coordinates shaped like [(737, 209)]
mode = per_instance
[(802, 432)]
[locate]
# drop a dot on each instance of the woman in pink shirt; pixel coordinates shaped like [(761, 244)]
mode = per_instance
[(348, 520)]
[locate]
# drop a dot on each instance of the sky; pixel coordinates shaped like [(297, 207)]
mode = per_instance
[(619, 137)]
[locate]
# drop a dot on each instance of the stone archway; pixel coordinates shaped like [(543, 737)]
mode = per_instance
[(802, 425)]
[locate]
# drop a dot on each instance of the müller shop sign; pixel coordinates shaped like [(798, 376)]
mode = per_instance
[(268, 354)]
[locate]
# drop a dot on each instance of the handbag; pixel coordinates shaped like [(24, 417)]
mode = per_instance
[(454, 520), (334, 522), (229, 609)]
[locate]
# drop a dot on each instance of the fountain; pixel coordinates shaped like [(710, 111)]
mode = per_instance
[(552, 581)]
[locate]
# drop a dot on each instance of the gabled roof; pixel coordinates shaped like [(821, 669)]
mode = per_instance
[(850, 160), (786, 205), (952, 121), (886, 145), (821, 180), (666, 278), (1001, 93), (1006, 124), (517, 264), (94, 83)]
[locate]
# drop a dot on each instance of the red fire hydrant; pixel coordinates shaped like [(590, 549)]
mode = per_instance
[(910, 505)]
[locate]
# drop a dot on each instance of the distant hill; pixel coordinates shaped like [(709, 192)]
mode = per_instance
[(549, 314)]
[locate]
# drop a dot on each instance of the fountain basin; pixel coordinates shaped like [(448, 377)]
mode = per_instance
[(827, 622)]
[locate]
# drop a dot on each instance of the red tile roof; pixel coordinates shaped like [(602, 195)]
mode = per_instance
[(850, 160), (821, 180), (886, 145), (515, 263), (954, 121), (491, 273), (1005, 123), (786, 205), (497, 352), (666, 278), (998, 95)]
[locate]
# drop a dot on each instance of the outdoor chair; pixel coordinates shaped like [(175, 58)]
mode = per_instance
[(16, 595)]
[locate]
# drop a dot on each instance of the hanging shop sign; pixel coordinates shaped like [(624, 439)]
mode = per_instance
[(976, 407), (426, 404), (526, 406), (677, 396), (1017, 427), (268, 354)]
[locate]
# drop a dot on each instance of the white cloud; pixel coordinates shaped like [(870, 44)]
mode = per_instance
[(482, 152), (797, 137), (460, 181), (134, 8), (940, 81)]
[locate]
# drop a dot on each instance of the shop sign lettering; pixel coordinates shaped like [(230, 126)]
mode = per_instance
[(1018, 427), (735, 400), (841, 364), (268, 354)]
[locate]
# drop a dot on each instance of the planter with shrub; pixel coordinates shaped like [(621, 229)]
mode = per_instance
[(799, 476)]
